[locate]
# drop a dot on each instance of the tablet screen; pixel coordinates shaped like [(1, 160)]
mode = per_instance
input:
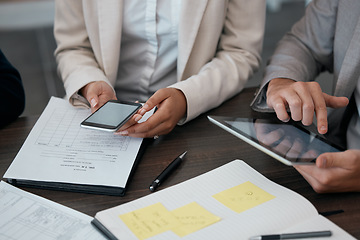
[(287, 142)]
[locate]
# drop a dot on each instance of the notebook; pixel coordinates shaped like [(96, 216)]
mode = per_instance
[(233, 201)]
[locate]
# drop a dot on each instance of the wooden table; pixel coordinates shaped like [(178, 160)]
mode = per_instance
[(208, 147)]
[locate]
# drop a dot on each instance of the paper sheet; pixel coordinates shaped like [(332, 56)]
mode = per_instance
[(192, 217), (243, 197), (59, 150), (24, 216), (150, 221), (156, 219)]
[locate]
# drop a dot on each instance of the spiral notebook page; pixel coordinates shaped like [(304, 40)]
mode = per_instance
[(245, 203)]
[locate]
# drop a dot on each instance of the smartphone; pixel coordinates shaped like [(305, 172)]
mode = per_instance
[(111, 116)]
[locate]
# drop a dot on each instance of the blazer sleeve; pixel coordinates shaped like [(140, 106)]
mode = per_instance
[(11, 92), (303, 52), (77, 62), (237, 56)]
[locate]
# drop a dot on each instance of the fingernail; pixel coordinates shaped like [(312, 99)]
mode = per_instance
[(137, 118), (146, 106), (323, 129), (142, 111), (124, 133), (286, 120), (323, 163), (93, 102)]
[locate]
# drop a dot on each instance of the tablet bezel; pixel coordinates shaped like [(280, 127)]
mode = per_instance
[(221, 121)]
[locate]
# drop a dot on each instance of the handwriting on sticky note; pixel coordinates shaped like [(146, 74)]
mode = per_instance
[(150, 221), (243, 197), (192, 217)]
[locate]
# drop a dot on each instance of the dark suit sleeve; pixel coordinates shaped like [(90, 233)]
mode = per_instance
[(12, 96)]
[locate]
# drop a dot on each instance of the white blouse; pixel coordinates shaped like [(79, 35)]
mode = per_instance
[(149, 48)]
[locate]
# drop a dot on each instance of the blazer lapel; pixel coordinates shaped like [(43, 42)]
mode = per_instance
[(350, 67), (191, 15), (110, 22)]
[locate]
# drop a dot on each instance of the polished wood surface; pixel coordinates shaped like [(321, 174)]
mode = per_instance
[(208, 147)]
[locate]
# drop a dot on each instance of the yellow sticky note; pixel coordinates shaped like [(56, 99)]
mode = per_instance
[(243, 197), (150, 221), (193, 217)]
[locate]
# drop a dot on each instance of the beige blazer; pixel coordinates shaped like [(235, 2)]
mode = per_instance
[(326, 38), (219, 47)]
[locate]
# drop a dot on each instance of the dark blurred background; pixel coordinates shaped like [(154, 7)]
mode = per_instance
[(26, 38)]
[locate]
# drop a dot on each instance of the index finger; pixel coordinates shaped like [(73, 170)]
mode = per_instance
[(320, 110), (154, 100), (152, 126), (133, 120)]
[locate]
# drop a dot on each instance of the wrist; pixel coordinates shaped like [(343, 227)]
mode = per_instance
[(83, 90)]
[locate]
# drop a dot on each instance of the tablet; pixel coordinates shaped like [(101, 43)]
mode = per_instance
[(287, 142)]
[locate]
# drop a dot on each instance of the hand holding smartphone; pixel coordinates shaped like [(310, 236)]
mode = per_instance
[(111, 116)]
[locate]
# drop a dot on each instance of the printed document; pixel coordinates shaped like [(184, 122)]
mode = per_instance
[(24, 216), (59, 150)]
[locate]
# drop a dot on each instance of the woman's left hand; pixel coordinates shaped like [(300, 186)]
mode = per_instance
[(171, 107)]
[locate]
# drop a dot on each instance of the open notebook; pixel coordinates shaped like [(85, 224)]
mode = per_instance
[(59, 154), (231, 202)]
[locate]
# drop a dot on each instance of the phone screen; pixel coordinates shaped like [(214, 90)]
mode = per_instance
[(111, 116)]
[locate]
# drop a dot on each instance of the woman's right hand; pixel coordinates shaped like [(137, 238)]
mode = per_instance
[(97, 94)]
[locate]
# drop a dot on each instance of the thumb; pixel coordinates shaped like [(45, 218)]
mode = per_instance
[(335, 102), (93, 100), (329, 160), (91, 94)]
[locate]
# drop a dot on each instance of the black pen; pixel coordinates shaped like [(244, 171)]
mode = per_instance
[(293, 235), (167, 171)]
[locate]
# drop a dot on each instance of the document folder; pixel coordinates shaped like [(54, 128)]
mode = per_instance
[(59, 154)]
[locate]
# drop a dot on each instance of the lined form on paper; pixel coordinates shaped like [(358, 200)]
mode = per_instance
[(62, 138), (24, 216), (63, 131), (59, 150)]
